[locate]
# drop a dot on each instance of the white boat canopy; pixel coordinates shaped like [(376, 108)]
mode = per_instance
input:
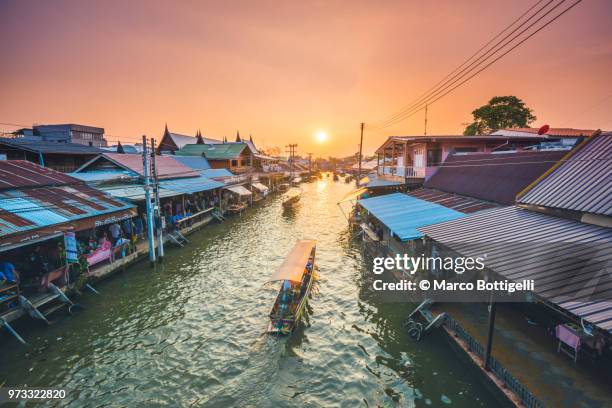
[(297, 180), (260, 187), (240, 190), (293, 192), (294, 264), (353, 195)]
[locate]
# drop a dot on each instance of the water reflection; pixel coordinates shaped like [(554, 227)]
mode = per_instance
[(191, 331)]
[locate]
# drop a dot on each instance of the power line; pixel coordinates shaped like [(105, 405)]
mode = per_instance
[(436, 95), (467, 60)]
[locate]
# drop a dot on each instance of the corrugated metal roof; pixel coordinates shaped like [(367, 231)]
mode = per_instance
[(39, 207), (51, 147), (492, 177), (21, 173), (381, 183), (216, 173), (582, 183), (134, 192), (167, 166), (97, 176), (564, 257), (194, 162), (466, 205), (403, 214), (191, 185)]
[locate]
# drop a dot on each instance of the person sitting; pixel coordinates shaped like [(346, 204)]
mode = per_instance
[(8, 272)]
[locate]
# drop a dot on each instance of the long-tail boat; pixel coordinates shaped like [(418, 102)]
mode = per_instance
[(292, 197), (296, 274)]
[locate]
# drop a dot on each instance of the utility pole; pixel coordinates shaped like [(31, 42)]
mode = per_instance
[(291, 158), (158, 217), (309, 165), (425, 120), (360, 152), (145, 165)]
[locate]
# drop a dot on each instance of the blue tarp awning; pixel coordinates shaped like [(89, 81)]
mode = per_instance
[(190, 185), (403, 214)]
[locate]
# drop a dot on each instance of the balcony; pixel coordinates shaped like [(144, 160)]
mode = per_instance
[(401, 172)]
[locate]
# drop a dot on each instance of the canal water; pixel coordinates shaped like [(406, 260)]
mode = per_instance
[(190, 332)]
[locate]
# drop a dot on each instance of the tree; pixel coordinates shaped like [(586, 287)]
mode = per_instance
[(501, 112)]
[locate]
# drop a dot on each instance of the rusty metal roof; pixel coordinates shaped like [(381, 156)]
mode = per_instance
[(583, 182), (167, 166), (21, 173), (496, 177)]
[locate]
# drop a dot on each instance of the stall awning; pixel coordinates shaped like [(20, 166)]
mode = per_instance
[(403, 214), (260, 187), (241, 191), (191, 185), (372, 183), (135, 192), (569, 261), (353, 195), (293, 266)]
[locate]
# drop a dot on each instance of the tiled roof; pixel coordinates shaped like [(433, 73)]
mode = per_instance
[(181, 140), (224, 151), (582, 182), (492, 177)]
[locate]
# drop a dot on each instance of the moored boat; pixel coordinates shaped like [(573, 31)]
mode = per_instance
[(296, 274), (283, 187), (292, 197)]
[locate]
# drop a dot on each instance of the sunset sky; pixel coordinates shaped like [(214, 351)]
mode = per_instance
[(284, 71)]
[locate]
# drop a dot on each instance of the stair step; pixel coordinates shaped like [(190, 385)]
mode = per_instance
[(52, 309)]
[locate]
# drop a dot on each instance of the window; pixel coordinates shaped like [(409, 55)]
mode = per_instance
[(234, 163), (434, 157)]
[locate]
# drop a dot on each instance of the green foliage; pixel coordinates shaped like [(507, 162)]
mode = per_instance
[(501, 112)]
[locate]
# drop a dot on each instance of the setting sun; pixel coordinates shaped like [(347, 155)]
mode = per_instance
[(321, 136)]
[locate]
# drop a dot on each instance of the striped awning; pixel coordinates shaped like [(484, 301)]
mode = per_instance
[(570, 262)]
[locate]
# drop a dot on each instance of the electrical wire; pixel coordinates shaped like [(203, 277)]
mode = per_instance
[(420, 106)]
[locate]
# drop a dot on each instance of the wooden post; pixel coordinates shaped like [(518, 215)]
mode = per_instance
[(487, 357)]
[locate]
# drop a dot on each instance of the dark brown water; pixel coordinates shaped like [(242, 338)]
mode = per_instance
[(190, 331)]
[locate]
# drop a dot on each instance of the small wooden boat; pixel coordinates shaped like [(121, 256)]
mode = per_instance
[(283, 187), (296, 274), (236, 208), (292, 197)]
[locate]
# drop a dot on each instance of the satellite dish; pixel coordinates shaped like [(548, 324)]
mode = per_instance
[(543, 130)]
